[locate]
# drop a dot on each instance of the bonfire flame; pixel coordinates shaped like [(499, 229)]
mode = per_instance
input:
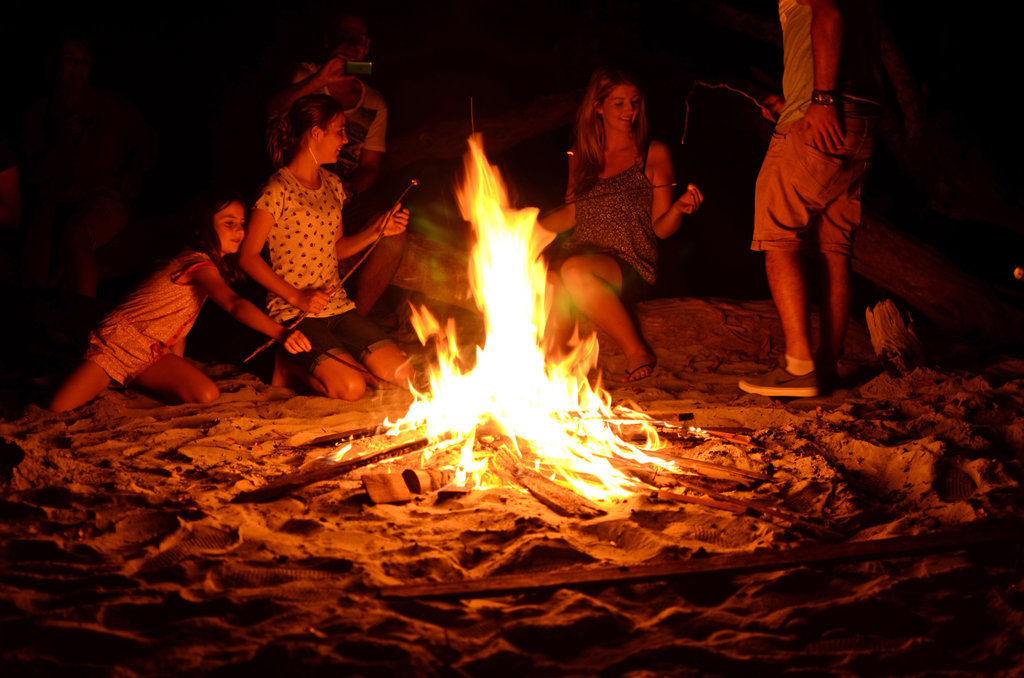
[(558, 424)]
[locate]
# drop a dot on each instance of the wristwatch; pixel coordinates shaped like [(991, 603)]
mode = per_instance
[(823, 97)]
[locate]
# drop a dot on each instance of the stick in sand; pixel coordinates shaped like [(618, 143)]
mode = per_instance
[(975, 535), (301, 316)]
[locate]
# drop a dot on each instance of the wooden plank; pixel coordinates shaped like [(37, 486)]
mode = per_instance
[(557, 498), (970, 536)]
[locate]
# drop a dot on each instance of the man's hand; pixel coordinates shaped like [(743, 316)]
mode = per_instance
[(333, 71), (823, 129)]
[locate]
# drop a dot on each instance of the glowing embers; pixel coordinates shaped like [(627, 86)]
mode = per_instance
[(545, 413)]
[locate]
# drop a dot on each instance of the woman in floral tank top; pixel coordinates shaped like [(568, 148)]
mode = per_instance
[(618, 204)]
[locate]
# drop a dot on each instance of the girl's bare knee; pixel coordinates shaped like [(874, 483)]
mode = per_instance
[(204, 393), (348, 387), (404, 374)]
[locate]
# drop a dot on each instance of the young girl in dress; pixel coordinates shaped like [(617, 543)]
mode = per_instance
[(142, 341), (298, 214), (618, 204)]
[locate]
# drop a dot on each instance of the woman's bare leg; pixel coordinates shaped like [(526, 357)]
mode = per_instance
[(594, 282), (176, 380), (84, 384), (561, 319)]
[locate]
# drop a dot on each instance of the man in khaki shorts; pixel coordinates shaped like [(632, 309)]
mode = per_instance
[(807, 197)]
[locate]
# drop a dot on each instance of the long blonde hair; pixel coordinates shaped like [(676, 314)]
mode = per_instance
[(589, 131)]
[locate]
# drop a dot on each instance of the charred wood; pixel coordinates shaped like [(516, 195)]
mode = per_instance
[(326, 469), (557, 498)]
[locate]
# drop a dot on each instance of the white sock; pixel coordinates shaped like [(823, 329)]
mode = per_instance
[(798, 367)]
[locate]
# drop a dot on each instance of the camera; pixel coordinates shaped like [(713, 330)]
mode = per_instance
[(358, 67)]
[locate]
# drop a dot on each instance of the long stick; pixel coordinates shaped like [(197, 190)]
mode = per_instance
[(290, 482), (301, 316), (733, 563), (763, 509), (412, 182)]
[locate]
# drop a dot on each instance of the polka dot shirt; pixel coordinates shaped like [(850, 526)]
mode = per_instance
[(307, 224)]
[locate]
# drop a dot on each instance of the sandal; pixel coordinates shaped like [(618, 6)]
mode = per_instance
[(639, 373)]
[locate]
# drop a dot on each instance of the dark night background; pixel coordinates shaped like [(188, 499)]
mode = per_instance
[(202, 72)]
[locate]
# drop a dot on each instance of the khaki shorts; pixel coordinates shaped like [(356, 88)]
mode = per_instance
[(804, 194)]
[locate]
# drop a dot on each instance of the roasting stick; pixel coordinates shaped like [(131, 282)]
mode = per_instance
[(289, 326), (333, 289)]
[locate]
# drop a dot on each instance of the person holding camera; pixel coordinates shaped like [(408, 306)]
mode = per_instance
[(346, 45)]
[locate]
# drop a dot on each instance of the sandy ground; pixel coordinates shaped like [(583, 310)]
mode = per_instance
[(122, 553)]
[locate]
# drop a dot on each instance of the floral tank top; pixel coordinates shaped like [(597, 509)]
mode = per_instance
[(614, 217)]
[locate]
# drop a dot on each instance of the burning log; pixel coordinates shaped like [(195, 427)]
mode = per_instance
[(657, 477), (325, 469), (969, 537), (560, 500)]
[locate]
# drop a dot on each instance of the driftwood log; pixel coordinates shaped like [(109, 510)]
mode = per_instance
[(950, 299), (971, 536)]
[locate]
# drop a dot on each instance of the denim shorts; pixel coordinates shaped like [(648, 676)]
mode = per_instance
[(346, 333), (804, 194)]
